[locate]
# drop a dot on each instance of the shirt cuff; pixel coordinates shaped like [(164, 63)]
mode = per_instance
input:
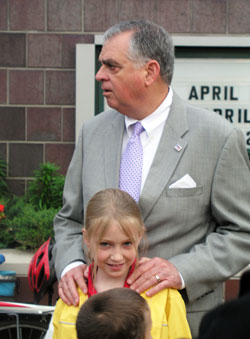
[(182, 282), (70, 266)]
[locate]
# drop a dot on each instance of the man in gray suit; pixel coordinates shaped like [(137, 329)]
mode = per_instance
[(195, 187)]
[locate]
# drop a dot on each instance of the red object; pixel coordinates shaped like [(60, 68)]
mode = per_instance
[(6, 304), (1, 208), (41, 273)]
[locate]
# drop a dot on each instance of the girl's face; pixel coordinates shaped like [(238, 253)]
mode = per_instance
[(115, 252)]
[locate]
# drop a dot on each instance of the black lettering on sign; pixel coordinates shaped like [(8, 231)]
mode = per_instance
[(229, 113), (232, 94), (193, 94), (248, 139), (246, 116), (216, 92), (239, 115), (218, 110), (204, 91)]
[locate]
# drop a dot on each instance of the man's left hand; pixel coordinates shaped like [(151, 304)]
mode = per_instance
[(154, 274)]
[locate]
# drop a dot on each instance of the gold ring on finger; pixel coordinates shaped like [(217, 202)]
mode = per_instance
[(158, 279)]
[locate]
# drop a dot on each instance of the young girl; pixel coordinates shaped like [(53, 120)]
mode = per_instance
[(113, 231)]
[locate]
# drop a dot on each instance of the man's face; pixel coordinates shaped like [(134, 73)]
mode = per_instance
[(122, 82)]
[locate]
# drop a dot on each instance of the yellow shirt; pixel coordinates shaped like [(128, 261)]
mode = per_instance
[(168, 315)]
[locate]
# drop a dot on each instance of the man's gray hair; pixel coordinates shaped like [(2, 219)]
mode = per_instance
[(149, 41)]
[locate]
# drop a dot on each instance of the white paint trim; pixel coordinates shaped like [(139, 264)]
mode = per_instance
[(85, 84), (202, 40)]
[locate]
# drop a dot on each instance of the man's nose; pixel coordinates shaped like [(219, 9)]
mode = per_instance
[(101, 75)]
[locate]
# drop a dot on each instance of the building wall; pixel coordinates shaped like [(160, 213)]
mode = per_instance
[(37, 65)]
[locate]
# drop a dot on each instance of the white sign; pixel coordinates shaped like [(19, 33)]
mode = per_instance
[(222, 85)]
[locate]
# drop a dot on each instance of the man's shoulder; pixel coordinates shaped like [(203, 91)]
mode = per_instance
[(104, 117), (207, 119), (102, 122)]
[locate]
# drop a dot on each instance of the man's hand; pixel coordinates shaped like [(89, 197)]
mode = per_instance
[(67, 287), (156, 274)]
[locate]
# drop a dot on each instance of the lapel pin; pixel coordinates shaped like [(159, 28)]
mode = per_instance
[(178, 147)]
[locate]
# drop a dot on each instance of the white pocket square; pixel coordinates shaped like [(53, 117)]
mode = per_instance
[(185, 182)]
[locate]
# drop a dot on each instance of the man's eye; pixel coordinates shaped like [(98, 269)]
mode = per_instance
[(113, 68)]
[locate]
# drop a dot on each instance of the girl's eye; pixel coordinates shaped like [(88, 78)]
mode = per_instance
[(128, 243), (104, 244)]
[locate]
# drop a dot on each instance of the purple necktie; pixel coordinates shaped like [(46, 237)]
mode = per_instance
[(131, 164)]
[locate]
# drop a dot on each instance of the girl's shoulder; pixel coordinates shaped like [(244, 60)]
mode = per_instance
[(164, 295)]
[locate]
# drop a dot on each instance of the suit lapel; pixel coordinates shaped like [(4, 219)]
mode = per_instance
[(169, 152), (112, 151)]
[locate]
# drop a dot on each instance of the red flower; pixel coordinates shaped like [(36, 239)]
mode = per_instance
[(1, 208)]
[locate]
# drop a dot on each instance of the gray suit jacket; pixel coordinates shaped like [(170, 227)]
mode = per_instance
[(204, 231)]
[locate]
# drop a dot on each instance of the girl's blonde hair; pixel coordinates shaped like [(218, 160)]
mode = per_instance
[(112, 205)]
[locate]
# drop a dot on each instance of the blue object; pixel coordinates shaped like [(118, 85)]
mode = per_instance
[(7, 283), (2, 258)]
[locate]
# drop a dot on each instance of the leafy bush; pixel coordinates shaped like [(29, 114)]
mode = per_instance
[(29, 228), (29, 219), (46, 190)]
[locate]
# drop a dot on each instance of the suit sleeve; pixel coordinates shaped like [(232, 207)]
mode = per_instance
[(225, 251), (68, 222)]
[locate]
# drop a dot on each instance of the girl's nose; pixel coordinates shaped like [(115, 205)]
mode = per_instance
[(116, 255)]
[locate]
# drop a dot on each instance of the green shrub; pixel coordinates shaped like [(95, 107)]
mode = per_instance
[(29, 219), (46, 190), (24, 226)]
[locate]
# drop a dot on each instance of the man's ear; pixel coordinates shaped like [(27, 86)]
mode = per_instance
[(152, 68)]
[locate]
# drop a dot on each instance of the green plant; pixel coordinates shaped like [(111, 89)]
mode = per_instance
[(28, 220), (3, 184), (25, 227), (31, 228), (46, 190)]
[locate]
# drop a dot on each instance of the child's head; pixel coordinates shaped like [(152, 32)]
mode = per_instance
[(117, 313), (112, 216)]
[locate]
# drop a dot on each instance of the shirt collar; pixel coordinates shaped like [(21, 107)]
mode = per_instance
[(156, 118), (91, 287)]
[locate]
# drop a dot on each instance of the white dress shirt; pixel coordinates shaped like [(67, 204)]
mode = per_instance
[(150, 137)]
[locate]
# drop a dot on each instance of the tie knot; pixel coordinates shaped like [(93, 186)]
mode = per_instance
[(138, 128)]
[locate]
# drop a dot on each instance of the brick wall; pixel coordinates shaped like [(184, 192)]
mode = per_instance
[(37, 65)]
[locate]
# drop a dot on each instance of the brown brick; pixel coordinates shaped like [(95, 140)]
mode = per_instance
[(44, 124), (139, 9), (3, 87), (175, 15), (45, 50), (26, 87), (16, 186), (24, 159), (209, 16), (26, 15), (12, 47), (3, 15), (12, 126), (98, 18), (60, 88), (231, 289), (64, 15), (239, 16), (60, 154), (69, 47), (68, 124), (3, 151)]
